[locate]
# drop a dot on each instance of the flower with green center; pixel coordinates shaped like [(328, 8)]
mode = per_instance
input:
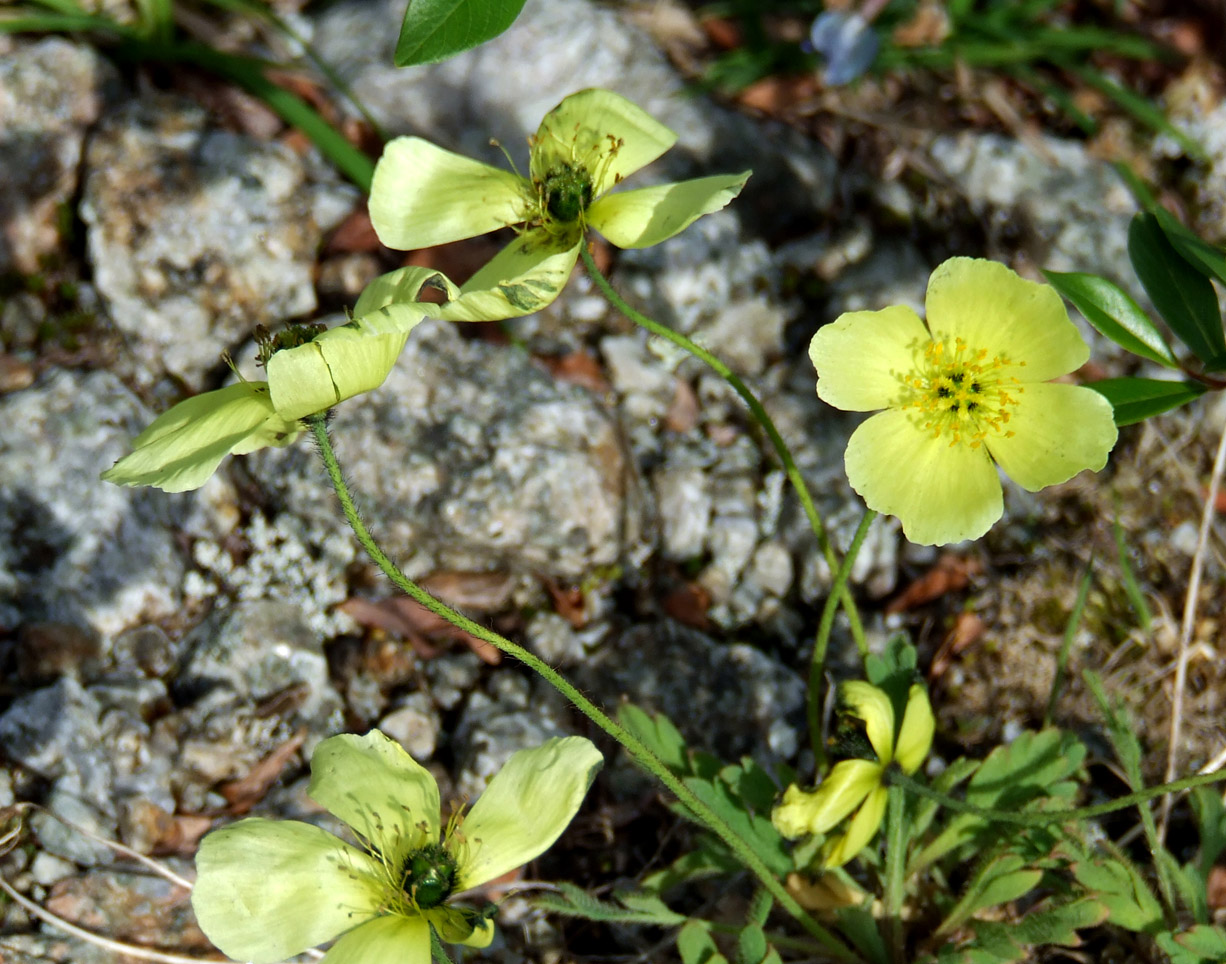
[(968, 391), (857, 783), (267, 890), (309, 370), (423, 195)]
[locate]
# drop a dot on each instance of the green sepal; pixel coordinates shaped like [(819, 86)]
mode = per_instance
[(1181, 293), (1113, 314), (1136, 399)]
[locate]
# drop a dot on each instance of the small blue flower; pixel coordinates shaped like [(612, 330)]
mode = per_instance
[(847, 43)]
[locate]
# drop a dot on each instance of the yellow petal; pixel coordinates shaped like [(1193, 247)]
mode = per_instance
[(389, 799), (804, 812), (862, 356), (992, 308), (269, 889), (860, 831), (384, 940), (525, 276), (1058, 430), (422, 195), (649, 215), (940, 493), (871, 704), (601, 132), (915, 736), (184, 445)]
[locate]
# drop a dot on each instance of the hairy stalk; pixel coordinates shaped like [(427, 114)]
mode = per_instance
[(1043, 818), (648, 760), (895, 871), (760, 416), (821, 643)]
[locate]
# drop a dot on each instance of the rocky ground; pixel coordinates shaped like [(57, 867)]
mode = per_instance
[(564, 478)]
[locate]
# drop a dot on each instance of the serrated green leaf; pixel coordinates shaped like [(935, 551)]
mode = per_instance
[(1203, 944), (434, 30), (1136, 399), (1118, 885), (1182, 295), (696, 865), (755, 830), (1113, 314), (630, 907), (1202, 255), (659, 734), (696, 946), (751, 945), (998, 881)]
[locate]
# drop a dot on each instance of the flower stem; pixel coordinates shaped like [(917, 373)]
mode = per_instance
[(1043, 818), (895, 870), (700, 811), (760, 416), (822, 641)]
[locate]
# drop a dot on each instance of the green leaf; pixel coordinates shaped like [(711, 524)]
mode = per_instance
[(1202, 255), (434, 30), (1136, 399), (696, 865), (1114, 314), (1211, 822), (630, 907), (751, 945), (1183, 295), (1200, 945), (999, 881), (660, 736), (860, 927), (696, 946), (1119, 886), (755, 830)]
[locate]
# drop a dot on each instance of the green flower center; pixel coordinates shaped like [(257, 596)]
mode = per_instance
[(429, 876), (567, 191), (961, 394), (268, 344)]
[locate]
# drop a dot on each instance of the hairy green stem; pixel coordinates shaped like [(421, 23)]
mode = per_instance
[(1043, 818), (821, 643), (760, 416), (648, 760), (895, 871)]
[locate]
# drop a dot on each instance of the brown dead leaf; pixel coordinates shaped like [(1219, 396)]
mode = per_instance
[(927, 28), (688, 604), (246, 792), (182, 835), (578, 368), (1217, 887), (682, 414), (414, 622), (967, 630), (568, 603), (486, 592), (950, 574), (722, 32), (354, 235), (778, 96)]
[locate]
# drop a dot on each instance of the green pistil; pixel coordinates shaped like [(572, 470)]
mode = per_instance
[(429, 876), (960, 394), (567, 191)]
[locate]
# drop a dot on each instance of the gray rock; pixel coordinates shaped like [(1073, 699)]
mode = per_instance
[(727, 699), (196, 235), (1075, 206), (415, 724), (516, 712), (257, 650), (683, 502), (451, 676), (74, 549), (51, 91), (496, 466)]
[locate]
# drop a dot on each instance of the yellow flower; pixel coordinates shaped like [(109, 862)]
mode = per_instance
[(422, 195), (309, 371), (267, 890), (853, 784), (970, 387)]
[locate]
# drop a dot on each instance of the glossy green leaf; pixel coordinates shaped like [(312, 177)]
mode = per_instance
[(434, 30), (1199, 253), (1183, 295), (1136, 399), (1114, 314)]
